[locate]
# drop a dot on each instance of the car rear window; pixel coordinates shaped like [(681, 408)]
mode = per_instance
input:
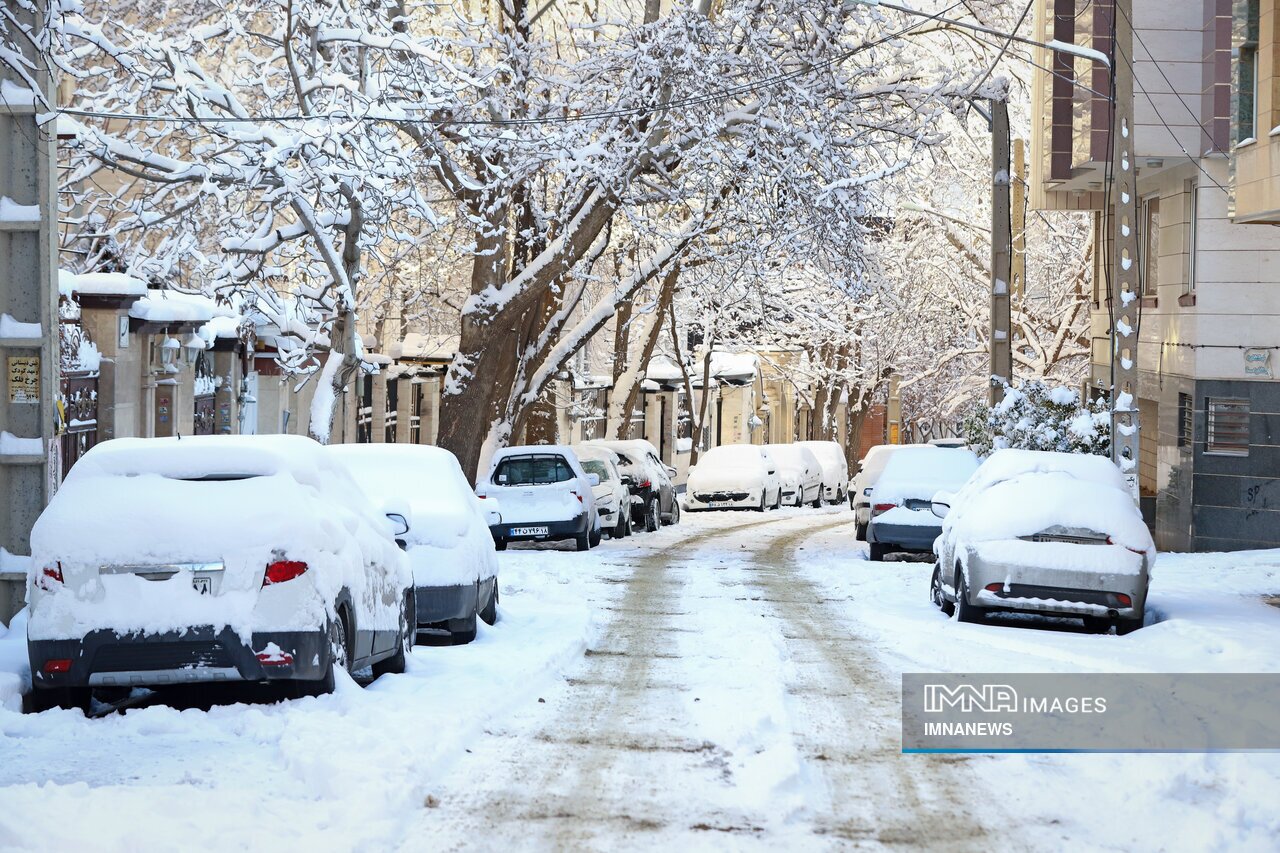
[(532, 470)]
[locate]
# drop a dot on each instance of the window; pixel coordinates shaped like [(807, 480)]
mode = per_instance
[(1193, 220), (1186, 413), (595, 466), (1228, 426), (1149, 246), (1246, 90), (532, 470)]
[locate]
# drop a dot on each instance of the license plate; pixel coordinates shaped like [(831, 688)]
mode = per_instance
[(721, 504), (535, 530), (202, 585)]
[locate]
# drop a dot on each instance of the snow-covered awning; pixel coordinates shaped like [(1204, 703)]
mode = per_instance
[(417, 346), (172, 306), (100, 284)]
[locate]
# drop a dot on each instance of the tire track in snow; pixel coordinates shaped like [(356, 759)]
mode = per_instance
[(592, 766), (846, 726)]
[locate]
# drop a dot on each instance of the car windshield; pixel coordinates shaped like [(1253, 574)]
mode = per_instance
[(597, 467), (532, 470)]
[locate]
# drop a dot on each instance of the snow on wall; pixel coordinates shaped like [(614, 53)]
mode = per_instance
[(11, 211), (11, 328), (12, 445)]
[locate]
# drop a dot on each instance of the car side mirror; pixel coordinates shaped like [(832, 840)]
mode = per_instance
[(772, 471), (399, 522), (593, 479), (671, 472), (628, 480), (941, 504), (492, 511), (867, 491)]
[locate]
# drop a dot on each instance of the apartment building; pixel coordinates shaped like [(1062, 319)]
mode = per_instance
[(1207, 155)]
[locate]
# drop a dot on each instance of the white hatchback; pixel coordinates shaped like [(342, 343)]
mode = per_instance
[(217, 558), (544, 496), (734, 476), (613, 497)]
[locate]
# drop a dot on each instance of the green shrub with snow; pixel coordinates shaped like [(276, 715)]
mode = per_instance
[(1037, 416)]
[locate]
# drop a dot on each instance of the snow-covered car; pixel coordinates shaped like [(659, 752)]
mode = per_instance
[(835, 470), (170, 561), (860, 486), (902, 516), (450, 549), (653, 494), (733, 476), (800, 473), (544, 496), (613, 497), (1043, 532)]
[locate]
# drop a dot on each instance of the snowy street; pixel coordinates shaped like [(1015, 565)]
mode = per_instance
[(732, 681)]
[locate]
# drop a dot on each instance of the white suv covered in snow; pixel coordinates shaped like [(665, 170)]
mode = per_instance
[(218, 558), (1050, 533), (544, 495), (455, 569)]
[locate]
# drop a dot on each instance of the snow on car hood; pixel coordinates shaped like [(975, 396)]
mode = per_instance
[(1034, 501)]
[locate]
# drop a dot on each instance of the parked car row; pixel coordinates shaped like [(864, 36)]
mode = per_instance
[(769, 476), (549, 493), (1025, 531), (164, 562)]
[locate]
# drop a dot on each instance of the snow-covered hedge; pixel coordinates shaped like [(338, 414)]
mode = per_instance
[(1038, 416)]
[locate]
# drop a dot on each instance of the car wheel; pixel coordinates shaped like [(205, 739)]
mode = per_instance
[(583, 541), (936, 594), (878, 551), (339, 658), (860, 534), (652, 516), (675, 510), (777, 502), (462, 631), (761, 507), (619, 530), (500, 545), (395, 664), (965, 611), (490, 612), (594, 537), (817, 500)]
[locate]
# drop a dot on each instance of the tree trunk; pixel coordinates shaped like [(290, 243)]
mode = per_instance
[(666, 292), (339, 367)]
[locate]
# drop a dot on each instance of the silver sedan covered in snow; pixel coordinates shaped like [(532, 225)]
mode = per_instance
[(1049, 533)]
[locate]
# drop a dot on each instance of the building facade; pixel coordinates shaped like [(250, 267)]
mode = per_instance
[(1206, 141)]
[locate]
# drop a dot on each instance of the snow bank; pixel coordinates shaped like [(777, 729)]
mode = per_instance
[(15, 666)]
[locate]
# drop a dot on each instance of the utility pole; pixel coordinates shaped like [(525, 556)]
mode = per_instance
[(29, 467), (1001, 251), (1019, 277), (1124, 255)]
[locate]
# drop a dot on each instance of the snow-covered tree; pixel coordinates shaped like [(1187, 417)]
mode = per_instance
[(1039, 416)]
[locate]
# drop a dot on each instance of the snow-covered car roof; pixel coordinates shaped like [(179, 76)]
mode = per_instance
[(633, 446), (533, 450), (206, 457), (919, 472), (1026, 494), (791, 455), (429, 479), (732, 456), (597, 452)]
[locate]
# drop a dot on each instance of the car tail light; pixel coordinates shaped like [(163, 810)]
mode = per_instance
[(1125, 601), (574, 492), (644, 484), (57, 665), (1111, 541), (994, 587), (275, 658), (49, 576), (283, 570), (885, 507)]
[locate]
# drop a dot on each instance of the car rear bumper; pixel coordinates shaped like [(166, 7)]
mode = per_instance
[(1053, 590), (736, 500), (198, 655), (555, 530), (904, 537), (441, 603)]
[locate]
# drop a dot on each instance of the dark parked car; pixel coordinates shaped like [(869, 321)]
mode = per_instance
[(653, 495)]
